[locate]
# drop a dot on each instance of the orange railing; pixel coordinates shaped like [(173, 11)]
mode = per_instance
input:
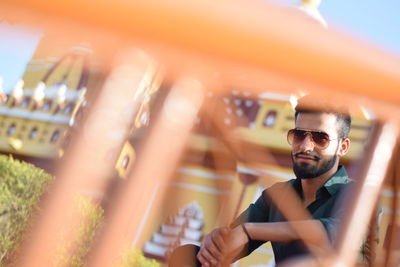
[(253, 45)]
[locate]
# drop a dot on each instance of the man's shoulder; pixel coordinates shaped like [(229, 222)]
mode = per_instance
[(281, 186), (281, 192)]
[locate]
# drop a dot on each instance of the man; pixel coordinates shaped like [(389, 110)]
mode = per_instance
[(318, 141)]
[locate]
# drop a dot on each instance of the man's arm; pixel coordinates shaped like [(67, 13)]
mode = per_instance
[(213, 245), (233, 243), (310, 231), (224, 245)]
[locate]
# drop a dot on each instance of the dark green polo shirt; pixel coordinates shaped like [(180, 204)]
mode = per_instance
[(323, 209)]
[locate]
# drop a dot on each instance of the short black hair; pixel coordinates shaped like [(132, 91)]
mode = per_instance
[(309, 104)]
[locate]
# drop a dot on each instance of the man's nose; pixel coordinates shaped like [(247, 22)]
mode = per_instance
[(307, 144)]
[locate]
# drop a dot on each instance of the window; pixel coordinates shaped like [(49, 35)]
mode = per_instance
[(55, 136), (33, 134), (25, 102), (270, 119), (47, 105), (68, 108), (11, 129), (125, 162)]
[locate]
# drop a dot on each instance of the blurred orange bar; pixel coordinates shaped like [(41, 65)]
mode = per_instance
[(146, 185), (251, 33), (88, 165)]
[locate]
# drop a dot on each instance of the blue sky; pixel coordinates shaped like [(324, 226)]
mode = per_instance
[(17, 45), (378, 21), (375, 21)]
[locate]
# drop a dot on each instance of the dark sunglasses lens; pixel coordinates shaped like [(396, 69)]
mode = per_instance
[(299, 136), (320, 139), (296, 136)]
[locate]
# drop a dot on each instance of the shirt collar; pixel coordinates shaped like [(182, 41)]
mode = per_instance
[(334, 183), (337, 180)]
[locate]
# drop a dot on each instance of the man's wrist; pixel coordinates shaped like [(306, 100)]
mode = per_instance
[(246, 232)]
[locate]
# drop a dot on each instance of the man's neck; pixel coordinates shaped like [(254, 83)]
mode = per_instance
[(310, 186)]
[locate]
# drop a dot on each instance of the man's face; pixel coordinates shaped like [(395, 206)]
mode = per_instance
[(309, 159)]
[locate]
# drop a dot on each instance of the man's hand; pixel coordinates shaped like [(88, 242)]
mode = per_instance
[(222, 246), (213, 247), (236, 242)]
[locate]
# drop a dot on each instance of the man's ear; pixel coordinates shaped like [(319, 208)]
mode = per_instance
[(344, 146)]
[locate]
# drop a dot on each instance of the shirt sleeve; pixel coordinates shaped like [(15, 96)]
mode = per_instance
[(331, 226), (256, 212), (334, 214)]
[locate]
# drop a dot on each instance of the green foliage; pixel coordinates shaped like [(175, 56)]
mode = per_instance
[(21, 186), (91, 219), (134, 257)]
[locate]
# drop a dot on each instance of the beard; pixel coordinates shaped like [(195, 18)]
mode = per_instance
[(306, 171)]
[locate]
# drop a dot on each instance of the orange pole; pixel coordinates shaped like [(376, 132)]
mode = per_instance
[(87, 167), (145, 187), (252, 33)]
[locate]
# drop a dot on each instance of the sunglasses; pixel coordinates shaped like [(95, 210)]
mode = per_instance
[(319, 138)]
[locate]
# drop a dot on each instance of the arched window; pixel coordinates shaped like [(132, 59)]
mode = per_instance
[(270, 119), (47, 105), (55, 136), (25, 102), (125, 162), (34, 132), (68, 108), (11, 129)]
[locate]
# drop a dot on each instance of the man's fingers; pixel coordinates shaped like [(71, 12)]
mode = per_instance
[(202, 260), (205, 257), (225, 231), (214, 249), (219, 243)]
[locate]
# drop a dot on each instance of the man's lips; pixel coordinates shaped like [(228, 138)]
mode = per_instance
[(303, 156)]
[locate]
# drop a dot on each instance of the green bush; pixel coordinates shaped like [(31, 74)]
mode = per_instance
[(134, 257), (21, 186), (74, 252), (91, 219)]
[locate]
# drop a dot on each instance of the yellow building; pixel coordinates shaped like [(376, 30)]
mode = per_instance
[(42, 112)]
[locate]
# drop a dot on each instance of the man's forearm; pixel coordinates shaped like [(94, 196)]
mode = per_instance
[(310, 230)]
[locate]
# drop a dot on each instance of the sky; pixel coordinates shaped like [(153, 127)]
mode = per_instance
[(17, 45), (375, 21)]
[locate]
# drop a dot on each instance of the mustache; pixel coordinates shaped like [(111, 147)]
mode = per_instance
[(307, 155)]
